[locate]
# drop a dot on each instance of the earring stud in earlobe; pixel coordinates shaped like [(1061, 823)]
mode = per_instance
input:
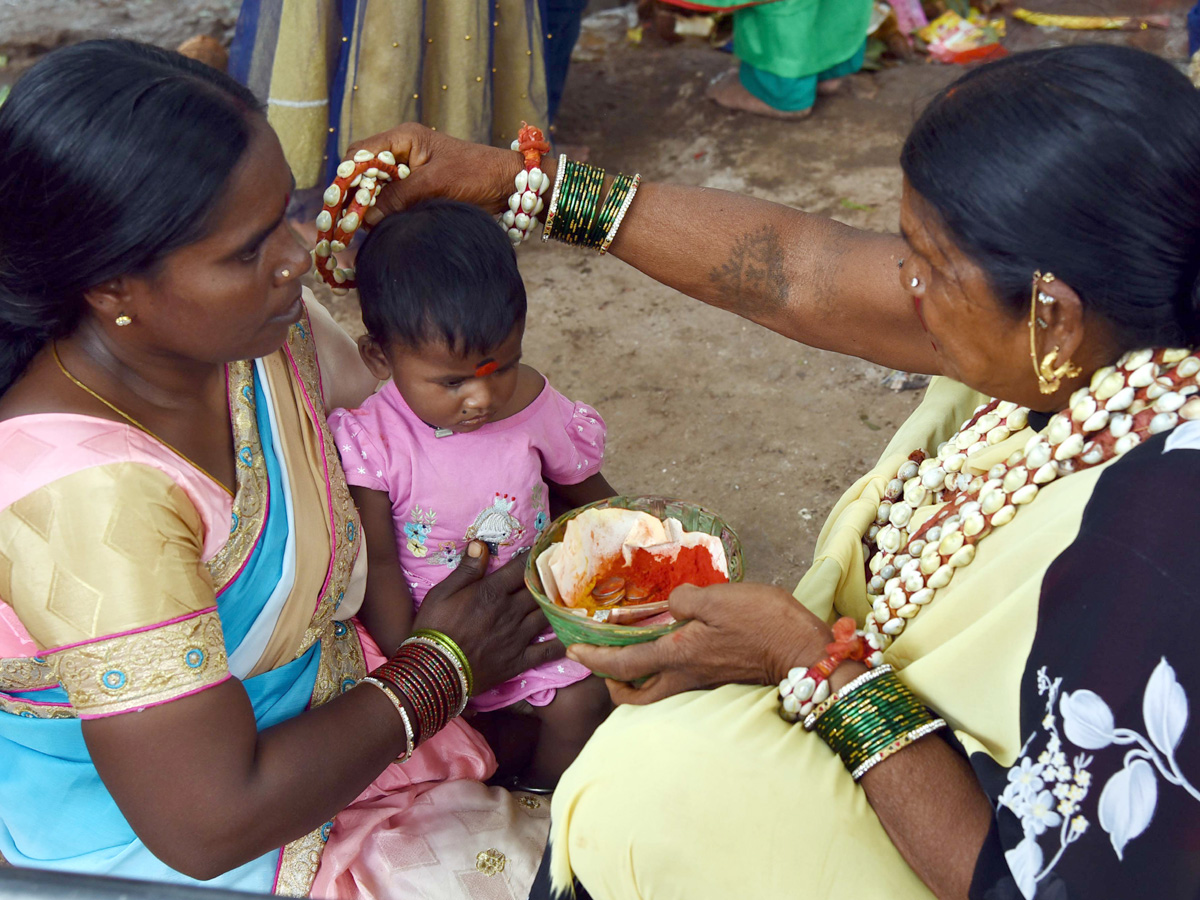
[(915, 281), (122, 320), (285, 273)]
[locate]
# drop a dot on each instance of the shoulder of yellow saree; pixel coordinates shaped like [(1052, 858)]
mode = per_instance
[(838, 565), (103, 568)]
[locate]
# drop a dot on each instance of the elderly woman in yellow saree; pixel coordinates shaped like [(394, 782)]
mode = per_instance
[(1004, 711), (182, 695)]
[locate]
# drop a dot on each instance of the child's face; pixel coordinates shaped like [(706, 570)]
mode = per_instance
[(446, 389)]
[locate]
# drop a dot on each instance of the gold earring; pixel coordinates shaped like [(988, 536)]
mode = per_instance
[(122, 320), (1049, 376)]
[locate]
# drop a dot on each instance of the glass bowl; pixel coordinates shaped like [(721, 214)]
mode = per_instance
[(574, 629)]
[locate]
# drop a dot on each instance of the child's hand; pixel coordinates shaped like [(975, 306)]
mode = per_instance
[(493, 618)]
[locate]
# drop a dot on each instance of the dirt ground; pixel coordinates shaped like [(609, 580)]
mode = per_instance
[(699, 404)]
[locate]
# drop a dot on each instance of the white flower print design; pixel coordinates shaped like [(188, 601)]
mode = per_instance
[(1047, 792)]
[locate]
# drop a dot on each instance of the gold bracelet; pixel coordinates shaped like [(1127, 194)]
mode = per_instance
[(391, 695)]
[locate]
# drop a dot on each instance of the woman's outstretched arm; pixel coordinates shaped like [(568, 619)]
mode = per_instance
[(805, 276)]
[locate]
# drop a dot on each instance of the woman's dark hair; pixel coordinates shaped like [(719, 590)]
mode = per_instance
[(440, 271), (1082, 161), (111, 155)]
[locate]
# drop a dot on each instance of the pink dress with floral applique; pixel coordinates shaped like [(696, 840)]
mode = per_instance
[(489, 485)]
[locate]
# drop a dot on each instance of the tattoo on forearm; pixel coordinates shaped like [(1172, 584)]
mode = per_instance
[(752, 281)]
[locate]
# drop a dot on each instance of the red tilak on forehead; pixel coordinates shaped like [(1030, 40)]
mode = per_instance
[(485, 368)]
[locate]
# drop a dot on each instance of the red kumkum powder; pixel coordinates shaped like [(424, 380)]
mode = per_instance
[(658, 576)]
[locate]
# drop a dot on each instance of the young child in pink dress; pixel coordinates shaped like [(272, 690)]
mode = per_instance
[(463, 443)]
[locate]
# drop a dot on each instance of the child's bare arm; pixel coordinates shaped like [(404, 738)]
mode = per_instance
[(564, 497), (387, 610)]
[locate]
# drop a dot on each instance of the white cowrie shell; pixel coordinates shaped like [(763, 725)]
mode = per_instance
[(1110, 386), (821, 694), (914, 582), (350, 223), (1175, 354), (1100, 375), (1137, 358), (907, 471), (337, 246), (1162, 422), (1003, 516), (885, 510), (535, 178), (363, 156), (908, 610), (1122, 399), (962, 481), (538, 207), (1004, 407), (1015, 478), (508, 218), (987, 423), (1169, 402), (969, 508), (1059, 429), (357, 181), (951, 480), (973, 524), (324, 220), (1092, 454), (1038, 455), (893, 626), (926, 464), (900, 514), (888, 539), (922, 596), (951, 524), (873, 641), (880, 608), (1137, 406), (934, 534), (1127, 443), (916, 547), (339, 275), (1120, 424), (1096, 421), (1070, 447), (522, 221), (322, 249), (332, 195), (1046, 474), (875, 660), (933, 478), (965, 439), (963, 557), (975, 448), (522, 181), (1190, 410), (1083, 409), (371, 173), (930, 562), (1024, 495), (951, 543), (954, 462), (998, 434), (803, 689), (1188, 367), (894, 490), (915, 495), (992, 502), (514, 203), (905, 564), (941, 577), (528, 201), (516, 235), (1144, 376), (403, 171), (875, 586), (1017, 419), (386, 157), (362, 197), (345, 170), (996, 472), (1156, 390)]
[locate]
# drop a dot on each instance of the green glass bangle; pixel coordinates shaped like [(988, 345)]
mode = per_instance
[(608, 211), (872, 719)]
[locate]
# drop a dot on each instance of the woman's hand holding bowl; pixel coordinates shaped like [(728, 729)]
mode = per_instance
[(492, 617), (735, 633)]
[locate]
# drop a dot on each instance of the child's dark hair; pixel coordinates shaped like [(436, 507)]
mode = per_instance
[(440, 271)]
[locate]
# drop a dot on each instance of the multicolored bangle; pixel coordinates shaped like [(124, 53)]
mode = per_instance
[(525, 203), (874, 719), (456, 666), (355, 190), (427, 675), (395, 699), (806, 688), (449, 644)]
